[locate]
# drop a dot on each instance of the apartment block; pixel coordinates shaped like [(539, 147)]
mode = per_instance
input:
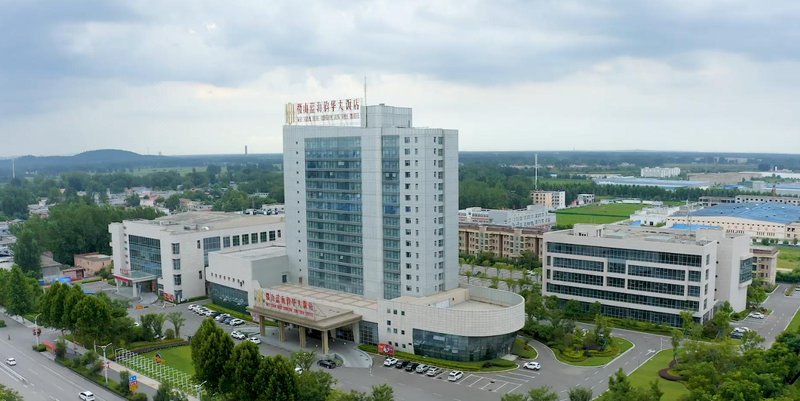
[(552, 200), (500, 241)]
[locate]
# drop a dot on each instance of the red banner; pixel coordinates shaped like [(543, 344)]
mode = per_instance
[(386, 349)]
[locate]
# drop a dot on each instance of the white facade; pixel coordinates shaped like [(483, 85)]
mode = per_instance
[(419, 165), (246, 270), (646, 273), (550, 199), (174, 248), (653, 216), (531, 216), (660, 172)]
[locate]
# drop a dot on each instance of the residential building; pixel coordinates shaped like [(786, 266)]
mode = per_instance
[(92, 262), (500, 241), (372, 220), (531, 216), (765, 262), (649, 274), (552, 200), (760, 220), (660, 172), (168, 256)]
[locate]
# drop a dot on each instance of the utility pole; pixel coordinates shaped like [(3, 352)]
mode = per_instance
[(36, 328), (199, 388), (105, 362)]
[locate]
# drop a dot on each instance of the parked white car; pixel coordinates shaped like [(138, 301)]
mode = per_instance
[(238, 335), (532, 365), (192, 307), (756, 315), (455, 375), (254, 340), (390, 361)]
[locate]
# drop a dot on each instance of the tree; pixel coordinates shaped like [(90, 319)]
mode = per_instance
[(20, 298), (177, 320), (165, 392), (7, 394), (314, 385), (382, 392), (93, 320), (28, 253), (580, 394), (277, 379), (214, 353), (677, 337), (602, 331), (595, 309), (240, 372), (542, 394), (751, 340), (756, 294), (124, 378), (199, 340), (153, 325), (132, 200), (173, 202), (304, 359)]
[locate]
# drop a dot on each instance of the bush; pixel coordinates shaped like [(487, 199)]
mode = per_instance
[(39, 348), (169, 334), (138, 397), (522, 349), (61, 349), (2, 323)]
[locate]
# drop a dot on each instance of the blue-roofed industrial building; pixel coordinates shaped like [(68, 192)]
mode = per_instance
[(669, 185), (760, 220)]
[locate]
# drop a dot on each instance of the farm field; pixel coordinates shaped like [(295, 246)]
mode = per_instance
[(789, 258), (596, 214)]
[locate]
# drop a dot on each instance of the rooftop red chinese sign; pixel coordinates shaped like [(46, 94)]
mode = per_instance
[(278, 301), (327, 112)]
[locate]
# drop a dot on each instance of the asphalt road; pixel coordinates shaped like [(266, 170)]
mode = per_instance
[(783, 309), (41, 378)]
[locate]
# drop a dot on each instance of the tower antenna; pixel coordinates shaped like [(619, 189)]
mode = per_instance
[(365, 101)]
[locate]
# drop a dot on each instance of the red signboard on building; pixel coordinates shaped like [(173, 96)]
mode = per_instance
[(386, 349)]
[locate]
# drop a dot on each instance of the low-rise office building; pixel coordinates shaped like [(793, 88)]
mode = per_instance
[(648, 274), (531, 216), (500, 241), (660, 172), (765, 263), (168, 256), (654, 216)]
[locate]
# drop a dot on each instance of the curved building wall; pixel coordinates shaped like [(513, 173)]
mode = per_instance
[(470, 329)]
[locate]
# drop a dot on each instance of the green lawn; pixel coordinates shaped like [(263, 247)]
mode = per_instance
[(645, 374), (795, 323), (179, 358), (620, 344), (789, 258), (596, 214)]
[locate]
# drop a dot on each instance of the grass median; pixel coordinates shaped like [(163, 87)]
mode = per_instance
[(618, 347), (794, 324), (645, 374), (179, 358)]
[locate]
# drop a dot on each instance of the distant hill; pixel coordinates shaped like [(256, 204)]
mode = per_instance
[(110, 160)]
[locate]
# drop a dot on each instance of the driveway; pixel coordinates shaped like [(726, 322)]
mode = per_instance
[(783, 309)]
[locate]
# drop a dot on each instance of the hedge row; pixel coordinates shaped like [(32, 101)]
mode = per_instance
[(494, 364), (155, 347), (112, 385)]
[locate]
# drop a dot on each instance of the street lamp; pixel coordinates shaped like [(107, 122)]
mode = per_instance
[(35, 328), (105, 361), (200, 387)]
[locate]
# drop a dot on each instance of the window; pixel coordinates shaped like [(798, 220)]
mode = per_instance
[(245, 239), (272, 235), (176, 264), (279, 233), (263, 236), (200, 274), (226, 242), (176, 279), (254, 238), (388, 322), (176, 248), (235, 240)]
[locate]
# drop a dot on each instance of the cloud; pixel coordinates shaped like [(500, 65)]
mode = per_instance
[(159, 75)]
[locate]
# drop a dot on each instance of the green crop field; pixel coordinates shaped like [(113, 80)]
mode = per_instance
[(789, 258), (596, 214), (645, 374)]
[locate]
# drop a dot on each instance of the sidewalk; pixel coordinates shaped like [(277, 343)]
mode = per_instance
[(347, 350)]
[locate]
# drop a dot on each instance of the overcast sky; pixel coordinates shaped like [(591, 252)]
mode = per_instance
[(211, 77)]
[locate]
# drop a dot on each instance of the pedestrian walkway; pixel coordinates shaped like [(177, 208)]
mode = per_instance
[(348, 351)]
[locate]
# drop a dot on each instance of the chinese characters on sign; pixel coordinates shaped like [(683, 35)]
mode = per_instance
[(270, 299), (326, 112)]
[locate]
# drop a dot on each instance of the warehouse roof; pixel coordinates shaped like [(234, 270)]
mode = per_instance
[(771, 212)]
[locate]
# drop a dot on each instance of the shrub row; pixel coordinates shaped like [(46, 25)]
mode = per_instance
[(666, 375), (178, 342), (39, 348), (2, 323), (238, 315), (443, 363), (112, 385)]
